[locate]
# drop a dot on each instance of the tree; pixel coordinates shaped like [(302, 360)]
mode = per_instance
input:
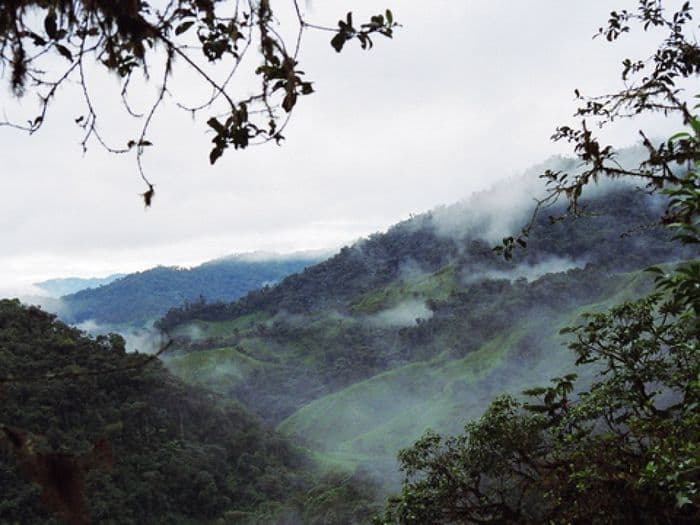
[(652, 85), (627, 448), (137, 36)]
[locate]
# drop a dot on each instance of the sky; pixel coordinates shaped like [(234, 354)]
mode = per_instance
[(466, 94)]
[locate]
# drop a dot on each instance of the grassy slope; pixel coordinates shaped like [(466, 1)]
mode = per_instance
[(369, 421), (220, 368), (204, 329), (388, 404), (217, 369), (438, 285)]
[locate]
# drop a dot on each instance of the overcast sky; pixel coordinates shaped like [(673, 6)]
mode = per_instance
[(467, 93)]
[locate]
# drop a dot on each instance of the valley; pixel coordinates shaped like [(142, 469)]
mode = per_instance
[(316, 382)]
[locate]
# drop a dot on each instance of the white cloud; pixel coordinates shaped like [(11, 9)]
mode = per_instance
[(466, 94)]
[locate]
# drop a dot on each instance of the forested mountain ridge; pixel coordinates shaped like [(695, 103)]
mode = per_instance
[(417, 327), (623, 221), (89, 433), (142, 296)]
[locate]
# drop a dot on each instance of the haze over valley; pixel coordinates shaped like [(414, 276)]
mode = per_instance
[(353, 357), (349, 263)]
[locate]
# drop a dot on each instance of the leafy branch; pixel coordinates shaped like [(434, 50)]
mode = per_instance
[(652, 85), (127, 38)]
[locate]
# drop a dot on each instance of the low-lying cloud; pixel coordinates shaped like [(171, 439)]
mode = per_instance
[(144, 340), (528, 271), (406, 313), (506, 207)]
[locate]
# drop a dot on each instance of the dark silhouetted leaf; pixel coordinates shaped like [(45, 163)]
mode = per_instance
[(50, 25), (148, 195), (218, 127), (338, 41), (64, 52), (215, 154), (183, 27)]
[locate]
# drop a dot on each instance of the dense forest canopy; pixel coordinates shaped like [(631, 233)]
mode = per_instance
[(409, 299), (288, 363), (139, 298), (90, 433)]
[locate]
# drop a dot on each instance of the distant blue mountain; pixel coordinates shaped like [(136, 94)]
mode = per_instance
[(139, 297), (69, 285)]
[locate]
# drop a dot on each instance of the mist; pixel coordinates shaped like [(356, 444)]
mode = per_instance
[(146, 340), (191, 331), (407, 313), (528, 271), (507, 205), (338, 368)]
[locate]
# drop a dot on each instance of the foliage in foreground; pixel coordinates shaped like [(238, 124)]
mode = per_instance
[(140, 40), (624, 450)]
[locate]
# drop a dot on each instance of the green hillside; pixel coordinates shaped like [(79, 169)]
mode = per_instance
[(370, 420), (90, 433), (618, 229), (411, 329)]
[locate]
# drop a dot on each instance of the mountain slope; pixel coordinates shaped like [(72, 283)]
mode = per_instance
[(369, 421), (619, 222), (69, 285), (139, 297), (89, 433), (420, 326)]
